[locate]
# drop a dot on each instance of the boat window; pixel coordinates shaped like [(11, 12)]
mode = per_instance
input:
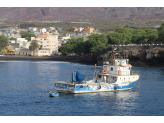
[(111, 68)]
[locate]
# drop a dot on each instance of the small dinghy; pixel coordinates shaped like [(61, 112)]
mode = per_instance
[(53, 94)]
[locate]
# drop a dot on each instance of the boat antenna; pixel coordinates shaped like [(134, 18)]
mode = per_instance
[(86, 76)]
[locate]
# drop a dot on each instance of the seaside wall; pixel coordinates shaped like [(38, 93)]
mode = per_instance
[(137, 47)]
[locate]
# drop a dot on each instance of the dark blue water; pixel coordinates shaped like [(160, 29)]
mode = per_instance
[(24, 88)]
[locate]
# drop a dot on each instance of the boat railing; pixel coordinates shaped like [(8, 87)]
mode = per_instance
[(127, 73)]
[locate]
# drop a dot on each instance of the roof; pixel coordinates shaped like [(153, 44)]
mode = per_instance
[(42, 36)]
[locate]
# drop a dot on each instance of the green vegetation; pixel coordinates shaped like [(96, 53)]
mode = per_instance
[(34, 45), (98, 42), (103, 26), (27, 35), (124, 32), (161, 32), (129, 36), (3, 42), (13, 39), (94, 45)]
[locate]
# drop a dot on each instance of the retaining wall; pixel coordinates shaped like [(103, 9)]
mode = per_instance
[(136, 47)]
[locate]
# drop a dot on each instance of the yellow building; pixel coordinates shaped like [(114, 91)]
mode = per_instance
[(27, 52), (64, 37), (23, 52), (8, 50), (44, 52), (89, 30)]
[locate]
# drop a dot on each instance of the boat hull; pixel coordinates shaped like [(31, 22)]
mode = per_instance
[(89, 88)]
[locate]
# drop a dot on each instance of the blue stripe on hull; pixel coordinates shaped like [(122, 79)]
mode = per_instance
[(114, 87)]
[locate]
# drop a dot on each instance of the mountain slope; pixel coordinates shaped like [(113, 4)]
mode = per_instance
[(81, 13)]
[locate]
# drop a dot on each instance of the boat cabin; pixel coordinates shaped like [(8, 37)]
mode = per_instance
[(120, 67), (120, 70)]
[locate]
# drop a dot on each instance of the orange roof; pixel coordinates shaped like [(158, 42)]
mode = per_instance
[(35, 39), (42, 36)]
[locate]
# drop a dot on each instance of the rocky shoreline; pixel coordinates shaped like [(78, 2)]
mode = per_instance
[(137, 58), (153, 57), (75, 59)]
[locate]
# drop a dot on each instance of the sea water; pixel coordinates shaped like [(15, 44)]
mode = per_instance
[(24, 88)]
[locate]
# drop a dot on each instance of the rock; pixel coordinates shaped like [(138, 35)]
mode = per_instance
[(147, 57)]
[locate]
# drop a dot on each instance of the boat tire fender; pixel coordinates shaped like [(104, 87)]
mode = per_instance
[(99, 87), (105, 71), (115, 88), (81, 86)]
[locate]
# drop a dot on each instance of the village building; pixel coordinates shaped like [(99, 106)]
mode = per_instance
[(64, 37), (32, 29), (28, 52), (89, 30), (48, 42)]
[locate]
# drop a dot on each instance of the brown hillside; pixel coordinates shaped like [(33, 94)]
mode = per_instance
[(81, 13)]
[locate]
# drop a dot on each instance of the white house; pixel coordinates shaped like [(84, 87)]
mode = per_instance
[(156, 26), (23, 43), (80, 29), (43, 30), (32, 29)]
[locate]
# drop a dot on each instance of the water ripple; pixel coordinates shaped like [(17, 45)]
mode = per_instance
[(24, 88)]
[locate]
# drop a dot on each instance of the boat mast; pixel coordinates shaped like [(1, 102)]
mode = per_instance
[(113, 56)]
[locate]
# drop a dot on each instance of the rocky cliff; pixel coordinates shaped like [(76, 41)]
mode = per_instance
[(140, 57)]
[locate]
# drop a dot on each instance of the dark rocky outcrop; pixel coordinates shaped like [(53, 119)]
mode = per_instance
[(140, 57)]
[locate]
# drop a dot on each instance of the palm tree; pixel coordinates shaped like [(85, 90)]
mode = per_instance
[(3, 42), (34, 45)]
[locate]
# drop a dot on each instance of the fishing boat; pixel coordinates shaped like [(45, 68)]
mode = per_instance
[(116, 75), (53, 94)]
